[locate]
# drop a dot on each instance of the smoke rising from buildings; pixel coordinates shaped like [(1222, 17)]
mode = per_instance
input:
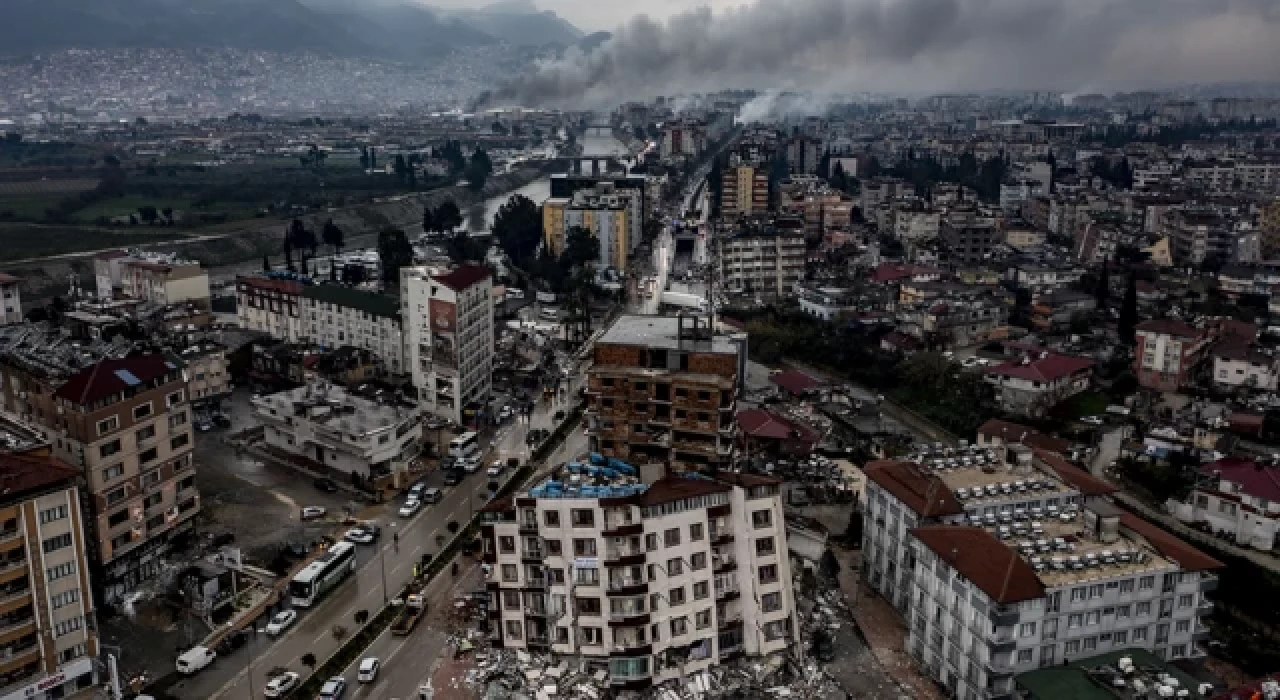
[(918, 46)]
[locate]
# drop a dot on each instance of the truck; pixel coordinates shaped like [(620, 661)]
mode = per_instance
[(410, 613), (683, 300)]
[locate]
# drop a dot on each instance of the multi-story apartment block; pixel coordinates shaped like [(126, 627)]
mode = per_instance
[(1168, 353), (127, 424), (334, 316), (607, 213), (664, 390), (1033, 384), (1236, 496), (649, 582), (764, 261), (744, 191), (164, 280), (448, 335), (340, 432), (684, 138), (272, 306), (48, 630), (12, 304), (208, 377), (638, 193), (970, 238), (1198, 235), (1005, 560)]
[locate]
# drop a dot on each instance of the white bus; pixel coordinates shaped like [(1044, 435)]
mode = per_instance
[(465, 445), (322, 575)]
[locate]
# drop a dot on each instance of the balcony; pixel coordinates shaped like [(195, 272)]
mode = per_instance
[(10, 533), (529, 527), (532, 554), (1208, 582), (1001, 665), (1005, 615), (719, 537), (1205, 607), (1200, 632), (621, 528), (1004, 642), (727, 593), (725, 564), (627, 586), (624, 556), (535, 610), (9, 625)]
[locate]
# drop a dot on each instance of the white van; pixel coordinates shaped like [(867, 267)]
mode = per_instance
[(195, 659)]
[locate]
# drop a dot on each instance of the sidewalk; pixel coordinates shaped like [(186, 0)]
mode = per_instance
[(885, 633)]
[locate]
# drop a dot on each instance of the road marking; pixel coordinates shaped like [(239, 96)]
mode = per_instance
[(321, 636)]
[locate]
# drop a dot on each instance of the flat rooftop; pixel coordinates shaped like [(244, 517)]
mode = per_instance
[(664, 332), (335, 407)]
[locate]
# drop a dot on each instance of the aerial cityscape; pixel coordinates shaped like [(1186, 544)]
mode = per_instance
[(778, 350)]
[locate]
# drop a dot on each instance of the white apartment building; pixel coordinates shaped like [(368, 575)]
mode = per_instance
[(343, 432), (334, 316), (9, 289), (1237, 496), (1003, 568), (767, 262), (912, 225), (651, 583), (272, 306), (1237, 363), (448, 338)]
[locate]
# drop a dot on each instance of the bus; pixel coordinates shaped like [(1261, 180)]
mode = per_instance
[(322, 575), (465, 445)]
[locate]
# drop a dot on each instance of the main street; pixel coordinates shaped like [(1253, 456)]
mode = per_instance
[(382, 569)]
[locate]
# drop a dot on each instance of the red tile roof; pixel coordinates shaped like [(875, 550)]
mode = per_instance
[(1187, 557), (1166, 326), (24, 474), (1254, 479), (795, 382), (112, 377), (1047, 367), (919, 490), (760, 423), (1079, 479), (1015, 433), (674, 488), (463, 276), (986, 561)]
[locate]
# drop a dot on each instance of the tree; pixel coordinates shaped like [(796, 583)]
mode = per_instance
[(517, 227), (581, 248), (428, 220), (266, 263), (309, 660), (853, 531), (168, 213), (288, 256), (395, 252), (461, 247), (829, 565), (1129, 311), (333, 269), (448, 216), (1102, 291), (332, 235), (147, 213), (364, 157), (476, 176)]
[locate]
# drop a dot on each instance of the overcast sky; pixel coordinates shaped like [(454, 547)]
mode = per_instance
[(595, 15)]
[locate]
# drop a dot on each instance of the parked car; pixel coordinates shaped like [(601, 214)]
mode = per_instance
[(325, 485), (1092, 420), (452, 477), (313, 512), (333, 689), (282, 685), (410, 508), (281, 622), (363, 534), (469, 464), (432, 495), (194, 659), (369, 669)]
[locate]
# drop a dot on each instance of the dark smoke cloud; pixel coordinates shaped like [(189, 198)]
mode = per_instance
[(919, 46)]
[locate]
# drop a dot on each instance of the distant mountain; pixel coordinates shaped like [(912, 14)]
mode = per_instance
[(592, 41), (386, 29)]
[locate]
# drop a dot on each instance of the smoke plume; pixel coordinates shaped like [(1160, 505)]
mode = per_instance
[(916, 47)]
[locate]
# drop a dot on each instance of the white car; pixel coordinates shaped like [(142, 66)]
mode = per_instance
[(313, 512), (369, 669), (410, 507), (361, 534), (281, 685), (1091, 420), (281, 622), (469, 465), (493, 472)]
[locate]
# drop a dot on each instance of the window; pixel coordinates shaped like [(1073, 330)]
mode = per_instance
[(1123, 611), (587, 606), (1072, 647), (1090, 643), (1024, 656), (507, 544), (584, 548), (1178, 650), (1126, 586), (1144, 609), (1093, 618), (671, 537), (514, 629), (148, 455), (51, 514), (109, 448), (764, 546), (592, 636), (679, 626), (762, 518), (151, 478), (1139, 634), (510, 573), (54, 573), (698, 561), (774, 630), (145, 433), (701, 590), (176, 397), (702, 619), (583, 517), (1146, 583), (551, 518), (1185, 601), (1096, 591), (1075, 620), (68, 626), (109, 424), (71, 653), (1028, 629), (1182, 626), (675, 567), (586, 577), (177, 419), (1121, 637), (651, 542), (695, 532), (180, 441), (769, 573), (676, 595), (116, 495), (141, 411), (771, 602), (1078, 594), (65, 598), (553, 548)]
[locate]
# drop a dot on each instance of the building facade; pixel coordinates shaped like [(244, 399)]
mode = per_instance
[(744, 191), (271, 306), (1168, 353), (448, 334), (334, 316), (209, 378), (765, 262), (127, 424), (12, 305), (650, 583)]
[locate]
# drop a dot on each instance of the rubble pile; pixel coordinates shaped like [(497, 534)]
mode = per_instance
[(510, 674)]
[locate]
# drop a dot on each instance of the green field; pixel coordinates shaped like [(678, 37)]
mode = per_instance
[(22, 241), (124, 206)]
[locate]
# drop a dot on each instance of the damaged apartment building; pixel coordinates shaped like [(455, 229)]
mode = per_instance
[(664, 390), (651, 576), (1004, 559)]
